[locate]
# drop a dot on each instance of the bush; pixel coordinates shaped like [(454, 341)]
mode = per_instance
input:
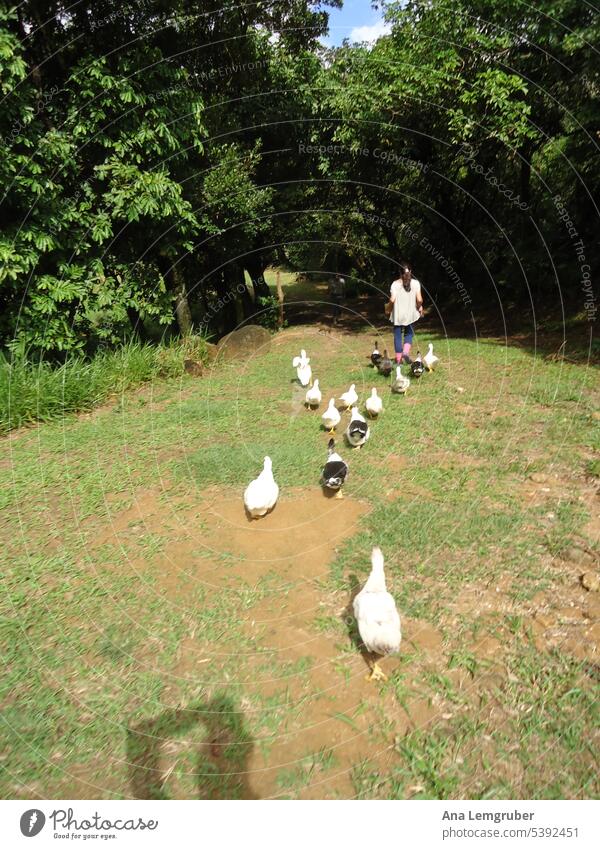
[(171, 357), (39, 391), (269, 313)]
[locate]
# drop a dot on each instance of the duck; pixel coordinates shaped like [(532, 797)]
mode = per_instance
[(302, 360), (377, 617), (358, 430), (350, 397), (400, 383), (313, 396), (430, 359), (376, 356), (417, 368), (331, 417), (304, 373), (303, 369), (385, 365), (262, 493), (335, 470), (374, 404)]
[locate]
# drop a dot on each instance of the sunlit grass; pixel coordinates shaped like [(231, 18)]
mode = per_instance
[(92, 645)]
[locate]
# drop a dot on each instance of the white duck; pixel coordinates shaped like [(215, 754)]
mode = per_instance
[(304, 374), (377, 616), (374, 404), (303, 369), (331, 417), (302, 360), (430, 359), (358, 430), (400, 383), (262, 493), (313, 395), (350, 397)]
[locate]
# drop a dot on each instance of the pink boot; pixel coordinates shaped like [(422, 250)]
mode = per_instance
[(398, 358), (406, 352)]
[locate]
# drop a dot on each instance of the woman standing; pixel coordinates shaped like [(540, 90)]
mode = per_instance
[(405, 307)]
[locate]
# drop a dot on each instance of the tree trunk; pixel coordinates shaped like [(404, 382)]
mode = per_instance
[(247, 303), (260, 286), (256, 270), (226, 312), (182, 307), (244, 306)]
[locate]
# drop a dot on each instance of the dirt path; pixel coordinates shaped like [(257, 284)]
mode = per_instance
[(194, 654)]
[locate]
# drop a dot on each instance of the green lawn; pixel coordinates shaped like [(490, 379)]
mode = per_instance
[(157, 644), (295, 289)]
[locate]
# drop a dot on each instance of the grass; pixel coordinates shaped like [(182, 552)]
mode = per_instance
[(298, 289), (131, 664), (38, 391), (548, 711)]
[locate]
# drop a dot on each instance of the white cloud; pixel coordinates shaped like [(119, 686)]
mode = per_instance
[(370, 33)]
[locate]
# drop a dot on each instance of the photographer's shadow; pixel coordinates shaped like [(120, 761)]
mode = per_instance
[(220, 759)]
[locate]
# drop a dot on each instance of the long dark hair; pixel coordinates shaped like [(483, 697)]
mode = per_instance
[(405, 266)]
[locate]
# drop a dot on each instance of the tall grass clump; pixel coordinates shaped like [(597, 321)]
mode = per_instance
[(40, 391)]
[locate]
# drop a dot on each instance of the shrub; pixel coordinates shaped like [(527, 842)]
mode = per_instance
[(39, 391), (269, 312)]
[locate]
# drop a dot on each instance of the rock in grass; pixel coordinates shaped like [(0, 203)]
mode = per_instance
[(577, 555), (193, 367), (240, 343), (591, 581), (212, 351)]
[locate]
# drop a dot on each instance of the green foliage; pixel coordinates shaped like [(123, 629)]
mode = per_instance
[(140, 176), (269, 312), (112, 198), (38, 391), (466, 113), (171, 358), (81, 180)]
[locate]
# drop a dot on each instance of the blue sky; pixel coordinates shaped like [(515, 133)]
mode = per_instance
[(356, 20)]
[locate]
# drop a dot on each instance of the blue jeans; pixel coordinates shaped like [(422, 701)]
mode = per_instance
[(409, 333)]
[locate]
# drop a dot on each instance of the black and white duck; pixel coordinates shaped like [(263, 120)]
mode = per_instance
[(335, 470), (358, 430), (376, 356), (417, 368)]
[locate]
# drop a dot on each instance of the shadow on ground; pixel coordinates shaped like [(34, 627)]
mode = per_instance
[(351, 624), (220, 760), (549, 335)]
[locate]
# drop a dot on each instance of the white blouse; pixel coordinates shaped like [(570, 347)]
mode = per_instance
[(404, 309)]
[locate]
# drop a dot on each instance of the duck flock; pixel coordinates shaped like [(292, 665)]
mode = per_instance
[(374, 608)]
